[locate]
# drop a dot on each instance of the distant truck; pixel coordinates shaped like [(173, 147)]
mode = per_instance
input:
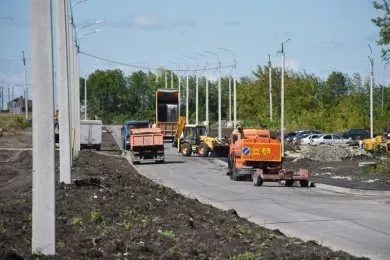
[(91, 132), (167, 111), (125, 131), (147, 144)]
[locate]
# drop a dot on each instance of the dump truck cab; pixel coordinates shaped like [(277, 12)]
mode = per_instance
[(125, 131)]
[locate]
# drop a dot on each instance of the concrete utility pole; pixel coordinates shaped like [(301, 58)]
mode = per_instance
[(85, 98), (171, 79), (230, 99), (282, 98), (187, 94), (219, 94), (166, 79), (234, 87), (270, 87), (179, 87), (43, 174), (25, 87), (197, 98), (63, 94), (207, 89), (383, 83), (371, 95)]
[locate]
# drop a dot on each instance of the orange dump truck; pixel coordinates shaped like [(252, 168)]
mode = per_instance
[(253, 153), (147, 144)]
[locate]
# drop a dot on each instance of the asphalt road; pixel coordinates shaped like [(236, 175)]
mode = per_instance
[(358, 225)]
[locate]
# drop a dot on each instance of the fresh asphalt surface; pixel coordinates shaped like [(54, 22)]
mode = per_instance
[(356, 224)]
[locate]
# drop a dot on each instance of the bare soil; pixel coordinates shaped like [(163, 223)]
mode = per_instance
[(112, 211)]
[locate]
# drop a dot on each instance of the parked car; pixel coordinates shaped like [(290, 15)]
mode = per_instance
[(307, 139), (330, 139), (356, 134), (290, 136), (303, 133)]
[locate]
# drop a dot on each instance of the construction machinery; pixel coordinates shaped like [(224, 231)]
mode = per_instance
[(254, 154), (147, 144), (380, 143), (167, 111), (126, 131), (193, 139)]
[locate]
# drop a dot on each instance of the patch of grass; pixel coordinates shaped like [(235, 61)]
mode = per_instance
[(2, 229), (167, 233), (77, 221), (96, 216), (16, 202), (61, 244), (380, 168), (247, 256), (14, 122), (126, 224), (29, 218)]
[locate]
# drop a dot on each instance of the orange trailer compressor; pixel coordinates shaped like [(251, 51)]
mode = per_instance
[(253, 153), (147, 144)]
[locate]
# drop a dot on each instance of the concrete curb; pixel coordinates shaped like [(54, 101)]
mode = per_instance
[(336, 189)]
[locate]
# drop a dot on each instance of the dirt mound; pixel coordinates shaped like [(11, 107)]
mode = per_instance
[(325, 153)]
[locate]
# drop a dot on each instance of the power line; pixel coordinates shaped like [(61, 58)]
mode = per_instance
[(150, 68)]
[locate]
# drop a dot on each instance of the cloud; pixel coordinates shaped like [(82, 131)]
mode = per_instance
[(232, 23), (12, 21), (292, 65), (150, 21)]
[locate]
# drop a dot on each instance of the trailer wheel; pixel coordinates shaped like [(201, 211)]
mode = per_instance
[(203, 150), (186, 149), (257, 180), (304, 183), (289, 183)]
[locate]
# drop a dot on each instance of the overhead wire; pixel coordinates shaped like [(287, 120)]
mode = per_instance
[(150, 68)]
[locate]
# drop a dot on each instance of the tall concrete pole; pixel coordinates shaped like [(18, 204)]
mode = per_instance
[(77, 76), (230, 99), (187, 94), (207, 100), (25, 87), (179, 88), (282, 100), (171, 79), (43, 174), (197, 99), (85, 98), (219, 102), (270, 87), (371, 95), (166, 79), (70, 76), (63, 94), (235, 95)]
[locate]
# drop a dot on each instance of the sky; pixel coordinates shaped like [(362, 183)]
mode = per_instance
[(326, 35)]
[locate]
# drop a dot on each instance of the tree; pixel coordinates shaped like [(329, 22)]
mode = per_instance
[(384, 24)]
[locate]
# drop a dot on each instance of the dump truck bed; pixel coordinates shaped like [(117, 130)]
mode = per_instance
[(147, 144)]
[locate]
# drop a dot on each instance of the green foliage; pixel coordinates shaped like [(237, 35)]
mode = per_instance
[(13, 122), (247, 256), (96, 216), (167, 233), (384, 24), (77, 221)]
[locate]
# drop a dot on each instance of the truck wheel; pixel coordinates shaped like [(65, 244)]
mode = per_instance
[(203, 150), (186, 149), (289, 183), (234, 176), (257, 180), (304, 183)]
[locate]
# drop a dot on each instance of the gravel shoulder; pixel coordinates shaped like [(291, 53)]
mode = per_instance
[(112, 211)]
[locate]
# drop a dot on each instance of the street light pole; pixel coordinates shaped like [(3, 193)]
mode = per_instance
[(282, 98), (371, 95), (234, 87), (207, 89), (270, 87), (219, 95), (383, 83), (25, 87), (196, 91), (85, 98)]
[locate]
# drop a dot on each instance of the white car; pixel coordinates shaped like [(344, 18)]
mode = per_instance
[(330, 139), (308, 139)]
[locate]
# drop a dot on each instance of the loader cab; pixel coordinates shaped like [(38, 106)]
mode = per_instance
[(194, 132)]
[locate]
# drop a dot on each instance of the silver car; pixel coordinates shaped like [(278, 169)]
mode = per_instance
[(330, 139)]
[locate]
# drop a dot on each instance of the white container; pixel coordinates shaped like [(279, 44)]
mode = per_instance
[(91, 132)]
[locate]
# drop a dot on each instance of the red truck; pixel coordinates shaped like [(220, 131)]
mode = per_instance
[(147, 144)]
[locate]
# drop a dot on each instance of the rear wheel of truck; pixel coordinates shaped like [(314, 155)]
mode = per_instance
[(203, 150), (289, 183), (257, 180), (234, 176), (186, 149), (304, 183)]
